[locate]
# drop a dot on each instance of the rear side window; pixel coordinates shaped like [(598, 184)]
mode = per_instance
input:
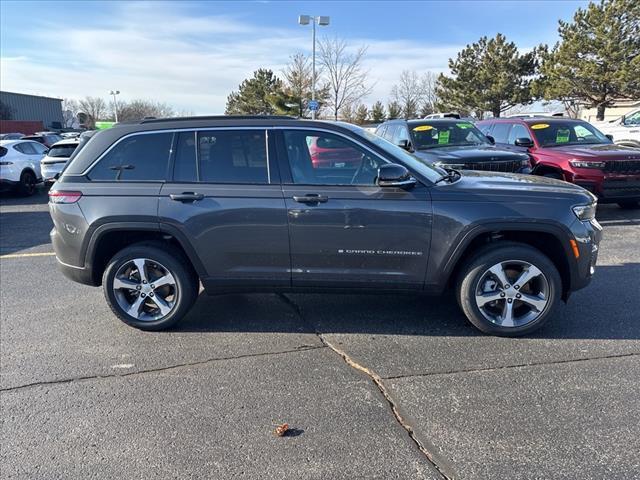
[(26, 148), (140, 157), (500, 132), (221, 156), (3, 151)]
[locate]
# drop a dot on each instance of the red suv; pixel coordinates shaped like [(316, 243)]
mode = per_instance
[(574, 151)]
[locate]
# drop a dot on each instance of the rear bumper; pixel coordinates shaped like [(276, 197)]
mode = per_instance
[(77, 274)]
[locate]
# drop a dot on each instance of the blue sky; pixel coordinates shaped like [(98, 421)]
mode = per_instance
[(192, 54)]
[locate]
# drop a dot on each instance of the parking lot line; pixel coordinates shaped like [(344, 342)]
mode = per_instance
[(25, 255)]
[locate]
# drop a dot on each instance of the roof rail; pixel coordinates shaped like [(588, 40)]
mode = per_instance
[(219, 117)]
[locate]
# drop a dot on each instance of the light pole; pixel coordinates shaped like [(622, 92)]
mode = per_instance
[(323, 22), (115, 103)]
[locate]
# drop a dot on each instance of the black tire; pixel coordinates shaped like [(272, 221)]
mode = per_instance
[(27, 185), (171, 259), (629, 204), (472, 272)]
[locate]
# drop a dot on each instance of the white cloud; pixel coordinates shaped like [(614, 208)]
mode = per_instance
[(191, 62)]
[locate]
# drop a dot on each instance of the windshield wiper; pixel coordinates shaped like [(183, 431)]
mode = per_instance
[(452, 174)]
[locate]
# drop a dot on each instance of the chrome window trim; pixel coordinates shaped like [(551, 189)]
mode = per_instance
[(171, 130)]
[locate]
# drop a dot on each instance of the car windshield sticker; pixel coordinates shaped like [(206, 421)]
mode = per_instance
[(422, 128), (562, 136), (443, 137), (540, 126), (464, 125)]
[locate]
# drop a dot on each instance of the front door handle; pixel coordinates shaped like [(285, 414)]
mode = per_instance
[(311, 198), (186, 197)]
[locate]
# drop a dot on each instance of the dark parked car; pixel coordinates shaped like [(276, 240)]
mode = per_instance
[(452, 143), (47, 139), (574, 151), (149, 210)]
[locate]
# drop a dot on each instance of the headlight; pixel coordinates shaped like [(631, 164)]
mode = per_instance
[(585, 213), (585, 164)]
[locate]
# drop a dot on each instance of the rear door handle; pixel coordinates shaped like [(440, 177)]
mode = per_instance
[(186, 196), (311, 198)]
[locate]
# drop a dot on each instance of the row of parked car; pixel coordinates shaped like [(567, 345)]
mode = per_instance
[(557, 147)]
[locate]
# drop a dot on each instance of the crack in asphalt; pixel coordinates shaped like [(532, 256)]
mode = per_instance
[(302, 348), (506, 367), (440, 465)]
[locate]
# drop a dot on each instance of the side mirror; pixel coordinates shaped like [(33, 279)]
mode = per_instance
[(609, 136), (404, 144), (524, 142), (491, 139), (394, 175)]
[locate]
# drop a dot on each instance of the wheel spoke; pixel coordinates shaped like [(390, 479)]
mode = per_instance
[(140, 265), (162, 305), (498, 272), (527, 275), (123, 283), (134, 308), (535, 301), (485, 298), (162, 281), (506, 320)]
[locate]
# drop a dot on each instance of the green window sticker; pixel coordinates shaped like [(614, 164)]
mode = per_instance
[(464, 125), (562, 135), (443, 137)]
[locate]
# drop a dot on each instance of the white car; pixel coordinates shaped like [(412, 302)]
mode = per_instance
[(57, 157), (624, 130), (20, 165)]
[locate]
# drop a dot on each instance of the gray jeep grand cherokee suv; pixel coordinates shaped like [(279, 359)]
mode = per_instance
[(151, 209)]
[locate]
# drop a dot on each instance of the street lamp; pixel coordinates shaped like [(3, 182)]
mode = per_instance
[(323, 22), (115, 103)]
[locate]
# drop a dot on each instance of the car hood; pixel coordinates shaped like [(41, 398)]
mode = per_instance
[(470, 154), (511, 187), (601, 152)]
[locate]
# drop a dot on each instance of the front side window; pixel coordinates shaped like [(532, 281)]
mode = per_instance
[(401, 134), (141, 157), (500, 132), (321, 158), (556, 134), (518, 131)]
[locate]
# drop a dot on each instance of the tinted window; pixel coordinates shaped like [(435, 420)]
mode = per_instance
[(64, 151), (633, 119), (228, 156), (184, 168), (391, 130), (38, 147), (518, 131), (26, 148), (444, 133), (320, 158), (500, 132), (567, 133), (401, 134), (136, 158)]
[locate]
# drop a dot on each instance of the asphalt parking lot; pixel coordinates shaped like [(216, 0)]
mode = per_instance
[(371, 386)]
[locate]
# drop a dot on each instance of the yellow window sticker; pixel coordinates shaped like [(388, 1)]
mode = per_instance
[(539, 126), (562, 135), (443, 137), (422, 128)]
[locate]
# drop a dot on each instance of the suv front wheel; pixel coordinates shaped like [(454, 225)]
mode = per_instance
[(149, 287), (509, 289)]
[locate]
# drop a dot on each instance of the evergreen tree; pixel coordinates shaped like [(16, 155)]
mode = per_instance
[(377, 112), (263, 94), (361, 114), (394, 110)]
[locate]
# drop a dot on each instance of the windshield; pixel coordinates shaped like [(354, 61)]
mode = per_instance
[(633, 118), (557, 134), (62, 150), (410, 161), (437, 134)]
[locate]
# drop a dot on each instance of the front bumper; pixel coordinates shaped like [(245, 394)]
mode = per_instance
[(587, 236), (610, 187)]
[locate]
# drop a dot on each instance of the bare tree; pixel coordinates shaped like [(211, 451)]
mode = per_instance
[(70, 109), (298, 76), (344, 73), (415, 93), (94, 107), (139, 109)]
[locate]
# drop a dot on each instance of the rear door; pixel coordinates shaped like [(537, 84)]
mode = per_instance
[(345, 231), (224, 198)]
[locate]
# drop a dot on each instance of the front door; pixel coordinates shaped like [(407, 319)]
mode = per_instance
[(345, 231)]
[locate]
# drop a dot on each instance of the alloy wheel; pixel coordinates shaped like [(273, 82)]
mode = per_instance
[(512, 293), (145, 289)]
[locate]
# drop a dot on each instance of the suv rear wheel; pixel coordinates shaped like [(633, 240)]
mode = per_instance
[(148, 286), (27, 185), (509, 289)]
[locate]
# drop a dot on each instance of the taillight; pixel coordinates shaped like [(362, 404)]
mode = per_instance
[(61, 196)]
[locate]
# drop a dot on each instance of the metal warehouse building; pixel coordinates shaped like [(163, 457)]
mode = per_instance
[(23, 107)]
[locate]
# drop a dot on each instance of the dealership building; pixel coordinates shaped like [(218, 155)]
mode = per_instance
[(24, 108)]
